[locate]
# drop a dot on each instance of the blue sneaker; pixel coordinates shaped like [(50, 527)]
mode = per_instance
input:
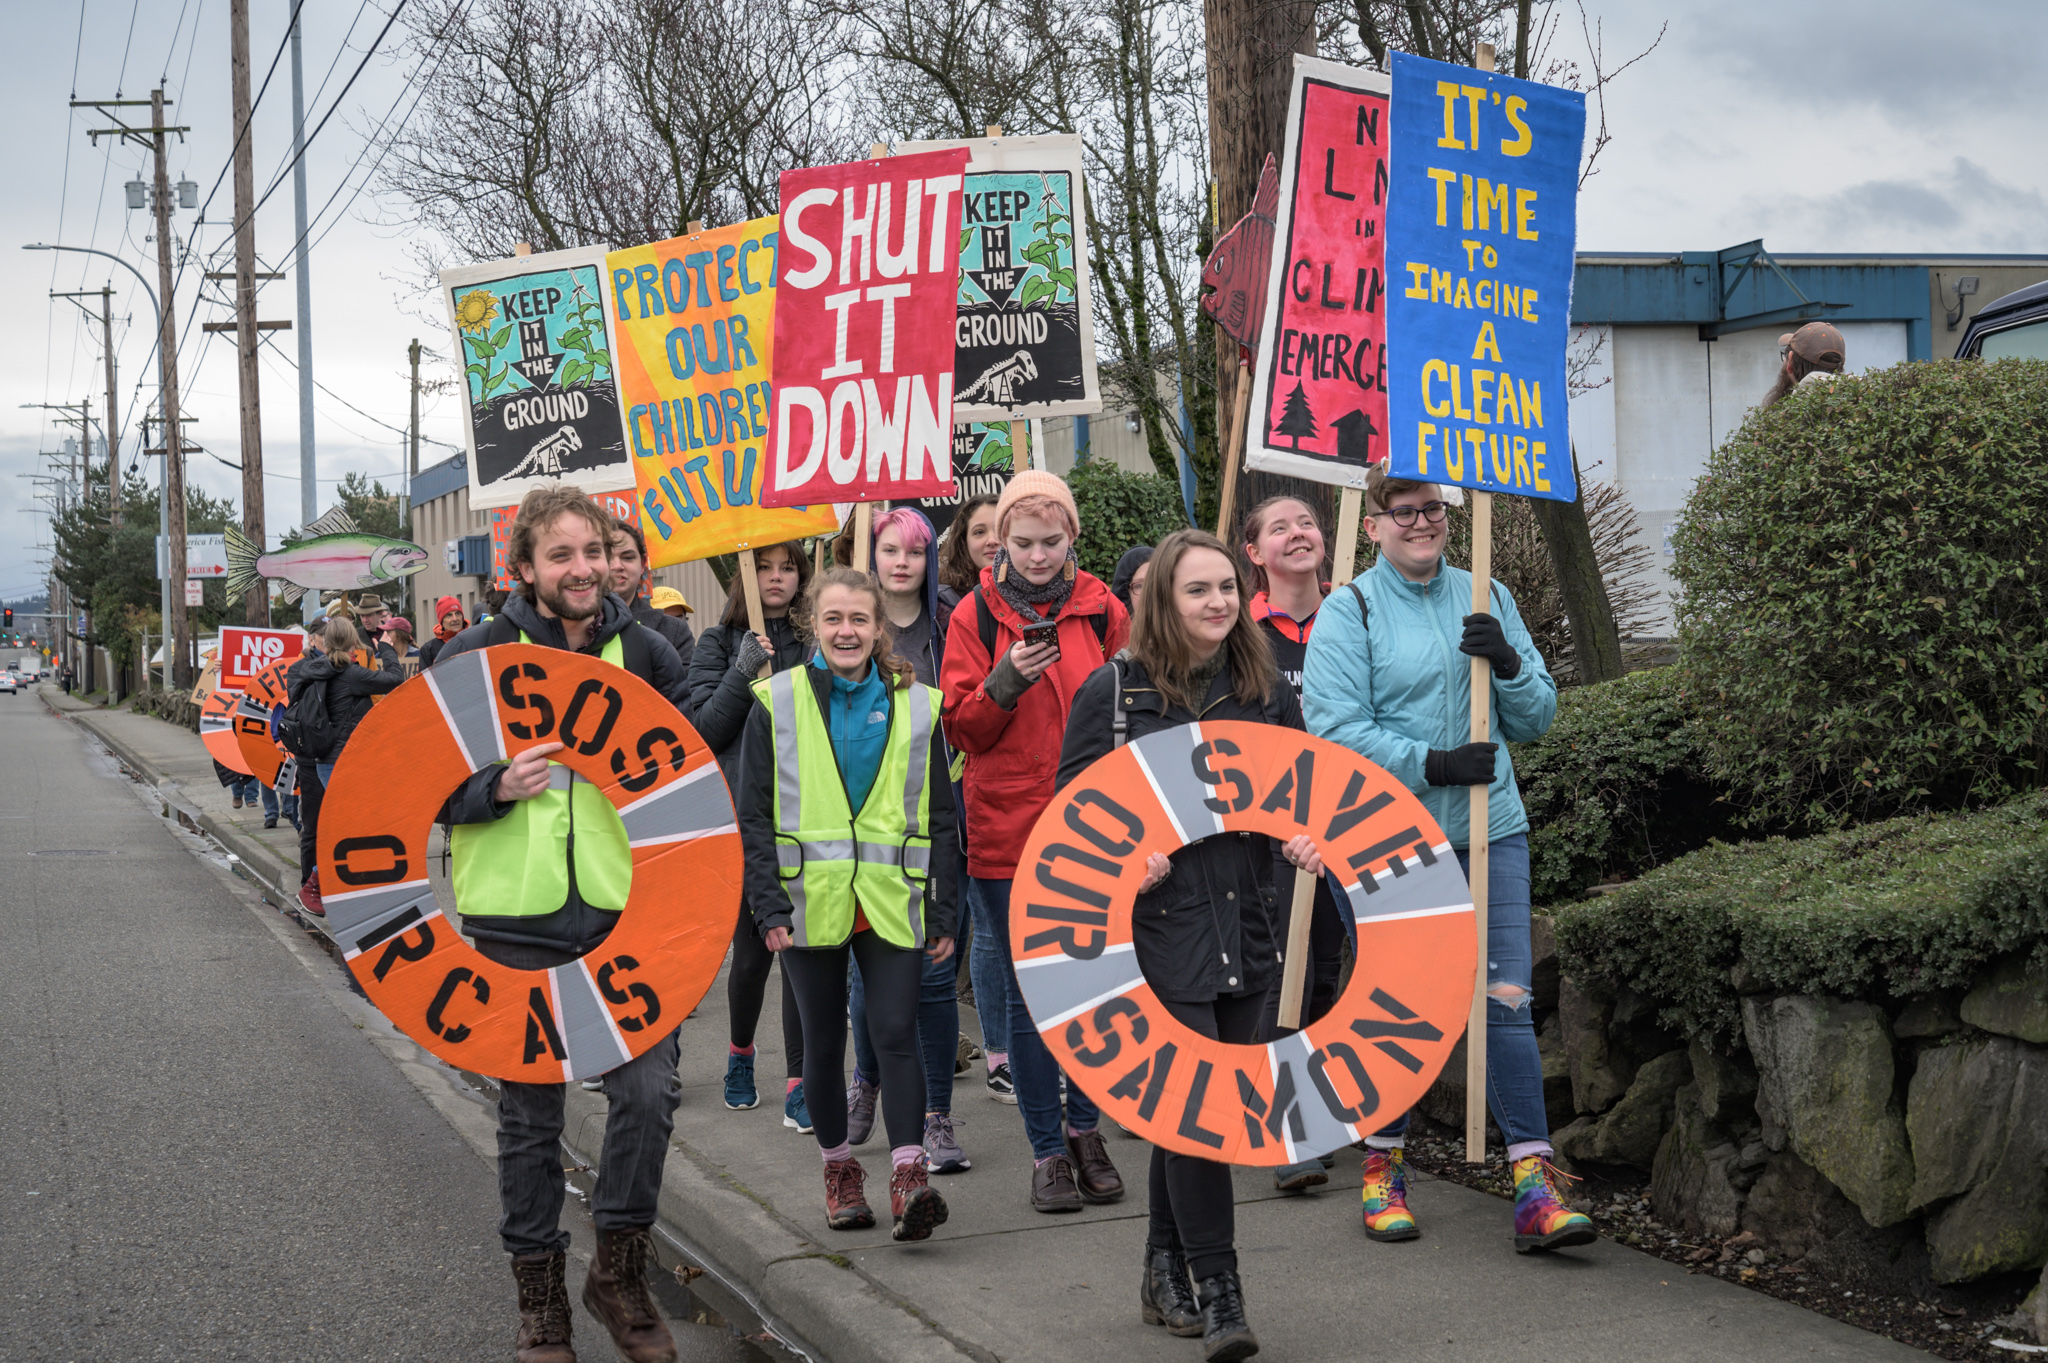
[(739, 1082), (795, 1113)]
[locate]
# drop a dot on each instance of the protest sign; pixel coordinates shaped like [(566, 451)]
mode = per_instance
[(1480, 236), (244, 652), (867, 281), (1024, 337), (1319, 399), (536, 348), (984, 457), (695, 318)]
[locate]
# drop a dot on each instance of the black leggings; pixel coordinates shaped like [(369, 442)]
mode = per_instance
[(1193, 1207), (746, 985), (892, 976), (311, 793)]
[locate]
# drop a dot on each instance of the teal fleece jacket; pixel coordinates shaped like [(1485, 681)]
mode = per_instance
[(1392, 690)]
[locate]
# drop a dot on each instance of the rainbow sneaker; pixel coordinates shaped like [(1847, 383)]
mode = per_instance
[(1386, 1196), (1542, 1221)]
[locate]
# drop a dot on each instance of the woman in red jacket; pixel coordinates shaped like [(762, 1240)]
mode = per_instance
[(1019, 647)]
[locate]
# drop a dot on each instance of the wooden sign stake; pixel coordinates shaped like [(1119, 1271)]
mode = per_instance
[(757, 615), (1294, 966), (1233, 445), (863, 519)]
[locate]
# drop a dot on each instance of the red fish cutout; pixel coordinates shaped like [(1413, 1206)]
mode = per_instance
[(1239, 264)]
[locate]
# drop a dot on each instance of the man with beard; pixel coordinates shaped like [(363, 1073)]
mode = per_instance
[(527, 914), (1815, 351)]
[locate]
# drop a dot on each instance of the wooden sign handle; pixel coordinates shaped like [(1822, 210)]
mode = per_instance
[(1477, 843), (863, 520), (1233, 447), (757, 617)]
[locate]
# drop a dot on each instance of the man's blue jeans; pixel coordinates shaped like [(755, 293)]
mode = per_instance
[(1032, 1068), (1514, 1069), (273, 799)]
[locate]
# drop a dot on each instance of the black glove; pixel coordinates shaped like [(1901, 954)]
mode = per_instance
[(748, 655), (1484, 638), (1471, 765)]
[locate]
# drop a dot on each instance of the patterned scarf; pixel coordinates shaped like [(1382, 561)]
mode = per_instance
[(1034, 602)]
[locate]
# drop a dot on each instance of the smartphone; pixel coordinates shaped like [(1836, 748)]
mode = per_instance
[(1043, 632)]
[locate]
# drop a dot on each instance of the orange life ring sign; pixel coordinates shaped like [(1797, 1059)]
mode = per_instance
[(1344, 1076), (401, 764), (217, 730), (260, 754)]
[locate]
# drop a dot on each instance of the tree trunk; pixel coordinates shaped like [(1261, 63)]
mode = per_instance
[(1251, 72), (1596, 639)]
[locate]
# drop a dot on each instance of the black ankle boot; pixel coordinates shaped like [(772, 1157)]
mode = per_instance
[(1164, 1296), (1225, 1336)]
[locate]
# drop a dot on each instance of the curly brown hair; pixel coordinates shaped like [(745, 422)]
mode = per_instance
[(804, 616), (1160, 641), (956, 562), (537, 511)]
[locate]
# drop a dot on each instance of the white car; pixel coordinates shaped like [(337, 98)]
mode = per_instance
[(9, 684)]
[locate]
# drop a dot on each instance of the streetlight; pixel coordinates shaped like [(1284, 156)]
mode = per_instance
[(164, 496)]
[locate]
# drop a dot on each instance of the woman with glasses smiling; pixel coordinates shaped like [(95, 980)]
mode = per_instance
[(1389, 676)]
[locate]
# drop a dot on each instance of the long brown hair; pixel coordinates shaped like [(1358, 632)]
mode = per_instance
[(1253, 526), (956, 562), (735, 616), (805, 616), (1160, 641)]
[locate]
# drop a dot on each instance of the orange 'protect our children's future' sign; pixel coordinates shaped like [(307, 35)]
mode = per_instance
[(1343, 1076), (577, 1020)]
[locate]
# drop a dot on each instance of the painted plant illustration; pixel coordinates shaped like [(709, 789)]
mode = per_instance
[(1051, 249), (474, 313), (584, 339)]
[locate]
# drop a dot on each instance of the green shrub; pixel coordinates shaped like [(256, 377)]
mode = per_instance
[(1878, 912), (1120, 509), (1865, 594), (1617, 786)]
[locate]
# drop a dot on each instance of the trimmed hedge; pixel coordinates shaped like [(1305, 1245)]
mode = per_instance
[(1119, 510), (1880, 912), (1865, 598), (1617, 786)]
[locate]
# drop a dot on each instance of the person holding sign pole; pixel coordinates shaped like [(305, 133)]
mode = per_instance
[(726, 663), (1206, 924), (1018, 649), (1387, 672), (842, 800)]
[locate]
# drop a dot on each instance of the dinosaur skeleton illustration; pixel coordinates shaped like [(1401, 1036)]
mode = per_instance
[(544, 460), (998, 384)]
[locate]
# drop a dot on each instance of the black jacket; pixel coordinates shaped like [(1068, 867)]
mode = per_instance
[(350, 689), (754, 804), (719, 695), (1215, 925), (431, 650), (673, 628), (576, 927)]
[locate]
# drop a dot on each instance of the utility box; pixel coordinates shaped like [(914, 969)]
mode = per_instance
[(473, 556)]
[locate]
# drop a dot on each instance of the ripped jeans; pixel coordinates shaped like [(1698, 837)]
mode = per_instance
[(1514, 1070)]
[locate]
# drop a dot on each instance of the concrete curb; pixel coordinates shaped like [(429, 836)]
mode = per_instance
[(818, 1301)]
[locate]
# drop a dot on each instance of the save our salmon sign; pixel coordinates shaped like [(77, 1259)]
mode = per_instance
[(866, 299)]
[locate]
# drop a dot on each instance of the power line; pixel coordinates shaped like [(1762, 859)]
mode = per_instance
[(126, 47), (297, 5)]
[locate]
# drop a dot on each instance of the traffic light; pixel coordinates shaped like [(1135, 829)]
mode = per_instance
[(8, 622)]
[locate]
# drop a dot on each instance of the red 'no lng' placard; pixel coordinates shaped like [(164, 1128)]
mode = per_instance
[(864, 311)]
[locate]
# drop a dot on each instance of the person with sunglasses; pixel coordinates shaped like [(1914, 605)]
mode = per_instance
[(1389, 676)]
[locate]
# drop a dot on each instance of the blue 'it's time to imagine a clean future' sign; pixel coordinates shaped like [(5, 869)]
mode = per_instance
[(1481, 227)]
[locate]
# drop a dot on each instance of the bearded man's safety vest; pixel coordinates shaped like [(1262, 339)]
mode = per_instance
[(830, 856), (518, 866)]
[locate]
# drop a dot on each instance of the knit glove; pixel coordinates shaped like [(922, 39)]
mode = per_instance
[(1006, 685), (1471, 765), (1484, 638), (748, 656)]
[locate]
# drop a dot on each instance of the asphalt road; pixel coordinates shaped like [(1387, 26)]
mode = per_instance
[(204, 1153)]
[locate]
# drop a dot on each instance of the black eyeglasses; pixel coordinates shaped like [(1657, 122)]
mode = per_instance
[(1404, 516)]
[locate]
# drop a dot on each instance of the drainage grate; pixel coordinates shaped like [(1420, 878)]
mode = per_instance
[(73, 852)]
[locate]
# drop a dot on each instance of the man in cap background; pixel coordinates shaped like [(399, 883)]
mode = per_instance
[(1814, 349)]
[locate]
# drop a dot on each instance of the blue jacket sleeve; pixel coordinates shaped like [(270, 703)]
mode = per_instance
[(1337, 693), (1524, 707)]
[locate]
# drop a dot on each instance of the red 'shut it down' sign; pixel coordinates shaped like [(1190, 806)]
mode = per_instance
[(864, 310)]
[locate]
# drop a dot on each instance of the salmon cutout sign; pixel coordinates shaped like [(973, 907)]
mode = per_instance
[(1337, 1080), (1239, 262)]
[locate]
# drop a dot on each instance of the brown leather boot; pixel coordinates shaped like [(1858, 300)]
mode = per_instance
[(543, 1309), (615, 1291)]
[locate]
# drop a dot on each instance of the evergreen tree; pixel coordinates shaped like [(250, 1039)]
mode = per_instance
[(1297, 421)]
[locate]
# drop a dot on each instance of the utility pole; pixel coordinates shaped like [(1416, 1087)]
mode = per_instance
[(245, 300), (413, 353), (106, 296), (309, 486)]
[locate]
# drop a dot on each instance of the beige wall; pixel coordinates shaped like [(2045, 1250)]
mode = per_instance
[(1993, 283)]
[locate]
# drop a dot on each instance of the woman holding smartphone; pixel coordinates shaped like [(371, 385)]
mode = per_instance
[(1017, 651)]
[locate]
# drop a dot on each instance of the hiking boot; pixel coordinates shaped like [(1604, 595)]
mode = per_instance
[(1000, 1086), (795, 1112), (1225, 1335), (309, 895), (942, 1153), (615, 1291), (1542, 1221), (234, 802), (1295, 1178), (1165, 1297), (270, 821), (1386, 1196), (846, 1204), (739, 1082), (543, 1309), (1052, 1186), (860, 1109), (917, 1210), (1094, 1176)]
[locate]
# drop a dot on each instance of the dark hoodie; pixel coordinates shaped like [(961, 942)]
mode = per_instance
[(575, 927), (351, 688), (1126, 569)]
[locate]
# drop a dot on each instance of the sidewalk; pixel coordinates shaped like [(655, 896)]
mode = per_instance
[(998, 1281)]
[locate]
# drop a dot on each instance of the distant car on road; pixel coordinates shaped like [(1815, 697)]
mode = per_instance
[(9, 684)]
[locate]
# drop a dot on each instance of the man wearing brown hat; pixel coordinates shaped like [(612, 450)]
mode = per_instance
[(1815, 348)]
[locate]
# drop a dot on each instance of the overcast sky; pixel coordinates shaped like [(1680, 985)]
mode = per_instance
[(1883, 126)]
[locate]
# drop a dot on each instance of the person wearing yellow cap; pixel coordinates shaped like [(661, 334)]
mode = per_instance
[(670, 602)]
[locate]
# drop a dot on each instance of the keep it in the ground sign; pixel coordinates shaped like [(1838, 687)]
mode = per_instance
[(536, 350), (1319, 401), (1481, 228)]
